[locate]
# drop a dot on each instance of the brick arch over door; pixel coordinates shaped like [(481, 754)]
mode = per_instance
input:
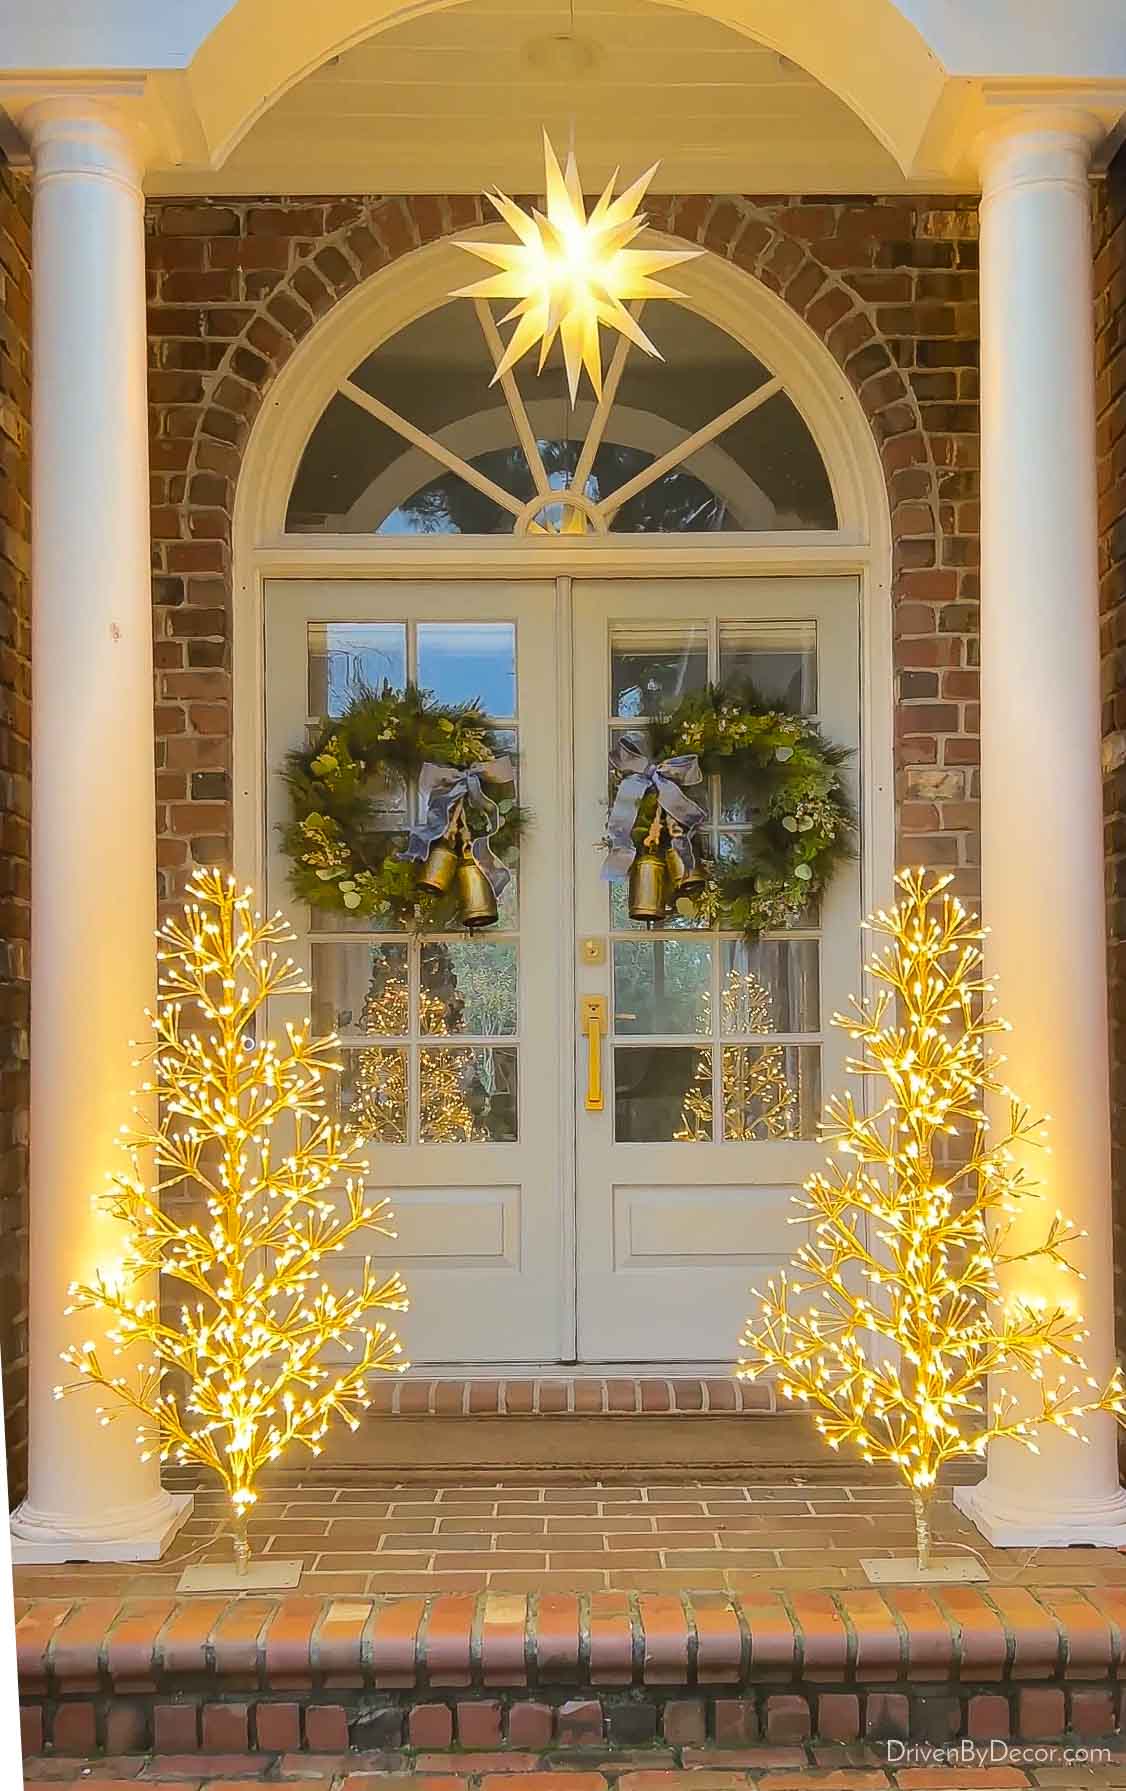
[(890, 286)]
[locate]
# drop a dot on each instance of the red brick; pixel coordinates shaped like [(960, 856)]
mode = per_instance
[(175, 1728), (226, 1728), (1091, 1713), (887, 1716), (719, 1643), (878, 1647), (824, 1637), (543, 1781), (735, 1722), (479, 1724), (338, 1644), (983, 1647), (430, 1725), (132, 1645), (988, 1718), (530, 1725), (557, 1637), (34, 1634), (952, 1778), (611, 1639), (684, 1722), (74, 1728), (326, 1728), (579, 1723), (278, 1727), (502, 1639), (236, 1638), (1040, 1713), (787, 1717), (1035, 1633), (838, 1716), (31, 1729), (447, 1641), (1089, 1640), (665, 1628), (393, 1643), (78, 1641), (182, 1644)]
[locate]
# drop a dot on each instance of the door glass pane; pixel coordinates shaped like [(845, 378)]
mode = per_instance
[(652, 1086), (467, 1094), (466, 662), (771, 1091), (346, 657), (770, 985), (778, 658), (662, 985), (371, 1093), (651, 666), (468, 986), (360, 988)]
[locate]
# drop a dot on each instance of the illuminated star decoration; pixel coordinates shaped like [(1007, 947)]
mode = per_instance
[(571, 273)]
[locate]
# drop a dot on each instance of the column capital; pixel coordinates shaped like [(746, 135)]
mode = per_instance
[(1036, 136), (92, 128)]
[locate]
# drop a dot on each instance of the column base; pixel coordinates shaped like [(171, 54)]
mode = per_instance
[(1095, 1523), (137, 1533)]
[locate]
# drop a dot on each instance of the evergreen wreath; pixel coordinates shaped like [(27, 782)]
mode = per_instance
[(340, 859), (806, 818)]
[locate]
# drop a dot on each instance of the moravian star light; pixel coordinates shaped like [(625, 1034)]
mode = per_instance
[(571, 273)]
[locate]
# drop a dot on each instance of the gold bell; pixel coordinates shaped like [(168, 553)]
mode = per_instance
[(682, 881), (437, 874), (475, 899), (648, 885)]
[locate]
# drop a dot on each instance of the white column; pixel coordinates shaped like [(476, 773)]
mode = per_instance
[(93, 817), (1041, 791)]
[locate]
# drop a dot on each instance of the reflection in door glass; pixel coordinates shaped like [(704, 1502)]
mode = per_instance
[(470, 662), (652, 666), (347, 657), (360, 988), (468, 986), (770, 985), (771, 1091), (371, 1093), (662, 985), (651, 1086), (467, 1094), (778, 658)]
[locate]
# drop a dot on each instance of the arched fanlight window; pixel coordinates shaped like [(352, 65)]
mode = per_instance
[(417, 441)]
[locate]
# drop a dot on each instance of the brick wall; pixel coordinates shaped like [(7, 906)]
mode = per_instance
[(889, 285), (15, 758), (1110, 401)]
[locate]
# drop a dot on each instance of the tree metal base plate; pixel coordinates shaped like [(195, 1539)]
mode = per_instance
[(263, 1575), (901, 1570)]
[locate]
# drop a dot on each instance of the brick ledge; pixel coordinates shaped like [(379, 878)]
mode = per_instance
[(567, 1394), (556, 1669)]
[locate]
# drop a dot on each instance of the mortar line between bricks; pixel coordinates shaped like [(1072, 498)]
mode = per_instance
[(1009, 1635), (799, 1635), (476, 1635), (852, 1642), (736, 1605), (421, 1636), (693, 1639), (904, 1634), (367, 1644), (637, 1638), (584, 1666), (531, 1636), (1062, 1640)]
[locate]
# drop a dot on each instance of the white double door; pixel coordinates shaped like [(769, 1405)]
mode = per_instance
[(535, 1225)]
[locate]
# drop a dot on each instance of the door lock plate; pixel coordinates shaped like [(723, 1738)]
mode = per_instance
[(592, 951)]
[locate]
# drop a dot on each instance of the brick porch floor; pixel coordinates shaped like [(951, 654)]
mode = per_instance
[(383, 1539)]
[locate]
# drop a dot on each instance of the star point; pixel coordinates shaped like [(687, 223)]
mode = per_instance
[(571, 273)]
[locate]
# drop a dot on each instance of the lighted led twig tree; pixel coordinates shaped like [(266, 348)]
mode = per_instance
[(243, 1127), (896, 1317)]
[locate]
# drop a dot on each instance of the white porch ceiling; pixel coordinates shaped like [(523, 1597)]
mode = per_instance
[(453, 101)]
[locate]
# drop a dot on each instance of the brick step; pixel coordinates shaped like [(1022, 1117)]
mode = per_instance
[(568, 1394), (457, 1684)]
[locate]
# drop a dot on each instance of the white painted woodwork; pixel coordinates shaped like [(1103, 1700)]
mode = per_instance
[(479, 1224), (93, 819), (671, 1236), (1042, 843)]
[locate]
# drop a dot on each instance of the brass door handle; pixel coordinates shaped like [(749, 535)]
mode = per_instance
[(592, 1015)]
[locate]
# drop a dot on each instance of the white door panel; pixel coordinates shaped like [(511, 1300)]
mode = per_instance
[(683, 1193), (471, 1164)]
